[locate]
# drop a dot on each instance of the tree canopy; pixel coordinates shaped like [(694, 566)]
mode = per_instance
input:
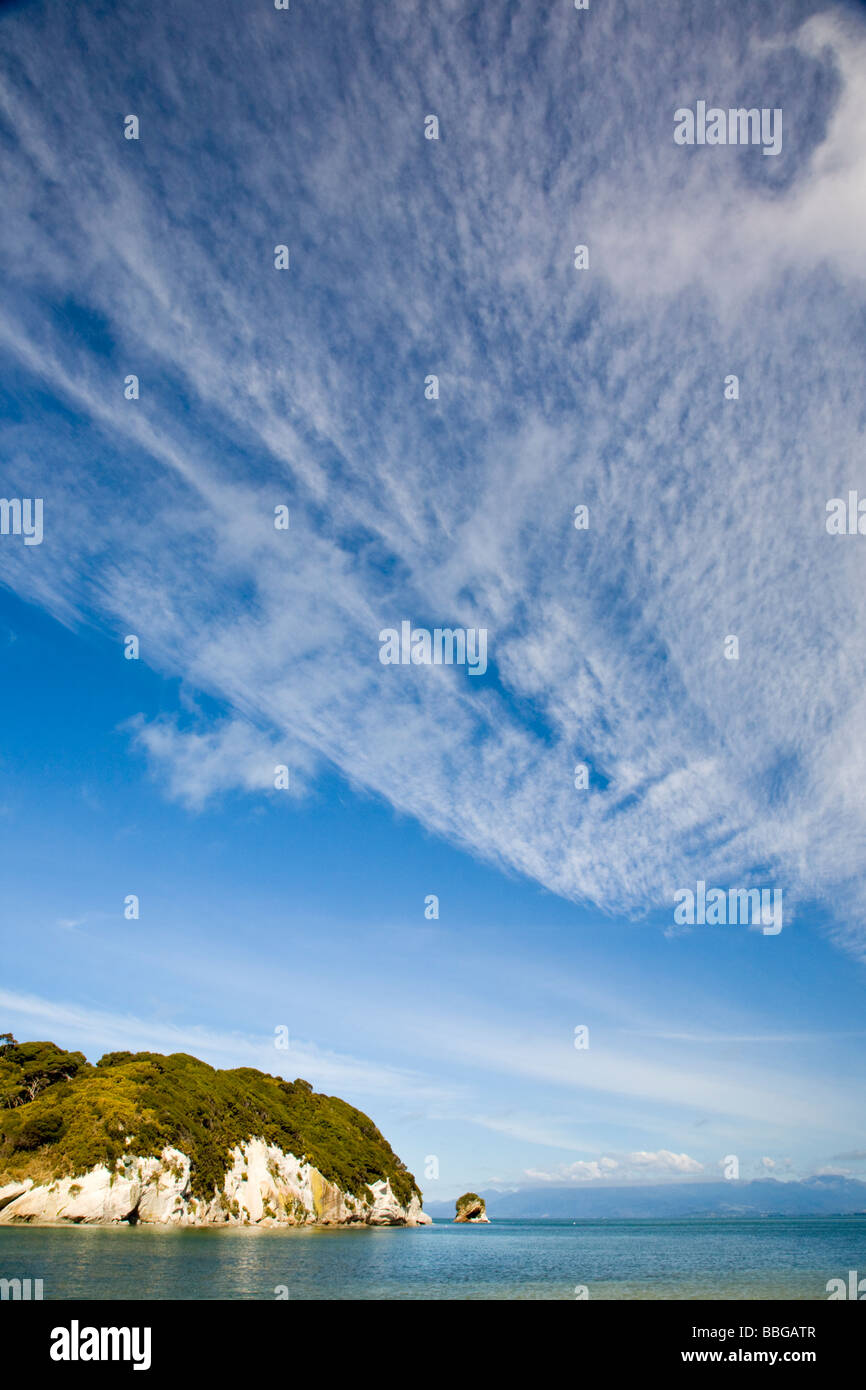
[(75, 1115)]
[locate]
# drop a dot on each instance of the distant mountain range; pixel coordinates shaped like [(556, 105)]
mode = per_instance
[(820, 1196)]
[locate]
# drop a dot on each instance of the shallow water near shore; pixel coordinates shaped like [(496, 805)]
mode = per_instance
[(776, 1258)]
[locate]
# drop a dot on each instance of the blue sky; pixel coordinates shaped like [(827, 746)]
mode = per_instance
[(262, 908)]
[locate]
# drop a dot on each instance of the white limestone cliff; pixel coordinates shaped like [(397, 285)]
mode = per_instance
[(263, 1187)]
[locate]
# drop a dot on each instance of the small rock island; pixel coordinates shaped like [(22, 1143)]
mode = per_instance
[(471, 1208)]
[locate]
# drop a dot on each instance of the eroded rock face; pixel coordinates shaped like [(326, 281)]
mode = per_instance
[(471, 1209), (12, 1190), (263, 1187)]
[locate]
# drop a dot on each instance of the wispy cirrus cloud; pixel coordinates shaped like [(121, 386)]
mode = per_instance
[(557, 387), (328, 1069)]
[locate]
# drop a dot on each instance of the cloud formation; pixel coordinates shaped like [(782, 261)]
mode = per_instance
[(635, 1167), (557, 387)]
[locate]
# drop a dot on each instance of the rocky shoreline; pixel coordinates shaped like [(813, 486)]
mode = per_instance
[(263, 1186)]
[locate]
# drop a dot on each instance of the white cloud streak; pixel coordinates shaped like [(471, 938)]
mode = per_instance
[(557, 387)]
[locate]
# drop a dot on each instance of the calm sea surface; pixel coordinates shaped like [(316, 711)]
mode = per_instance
[(789, 1258)]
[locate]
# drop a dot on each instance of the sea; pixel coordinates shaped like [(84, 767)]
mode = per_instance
[(725, 1258)]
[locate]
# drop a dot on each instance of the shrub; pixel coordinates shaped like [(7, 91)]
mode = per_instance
[(85, 1114)]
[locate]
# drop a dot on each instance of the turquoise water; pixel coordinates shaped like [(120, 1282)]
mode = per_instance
[(789, 1258)]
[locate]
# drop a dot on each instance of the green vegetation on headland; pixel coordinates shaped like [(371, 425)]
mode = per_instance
[(60, 1116)]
